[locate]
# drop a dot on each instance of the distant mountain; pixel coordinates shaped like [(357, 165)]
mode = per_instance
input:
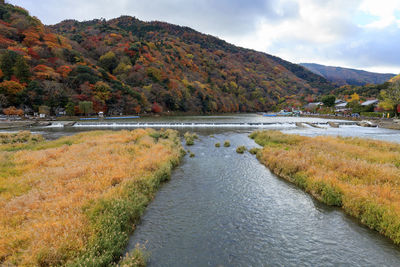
[(345, 76), (125, 65)]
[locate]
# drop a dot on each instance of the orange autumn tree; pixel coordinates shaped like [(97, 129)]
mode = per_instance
[(11, 87), (64, 71), (44, 72), (102, 90), (13, 111)]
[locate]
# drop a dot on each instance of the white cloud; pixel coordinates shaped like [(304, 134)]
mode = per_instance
[(327, 33), (384, 10)]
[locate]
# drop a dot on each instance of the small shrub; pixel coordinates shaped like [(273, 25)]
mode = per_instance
[(217, 144), (254, 150), (137, 258), (189, 142), (227, 144), (241, 149), (183, 152), (189, 138), (191, 155)]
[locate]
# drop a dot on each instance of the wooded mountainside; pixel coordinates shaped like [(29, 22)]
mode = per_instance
[(128, 66)]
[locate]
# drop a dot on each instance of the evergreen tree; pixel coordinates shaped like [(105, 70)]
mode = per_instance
[(7, 63), (21, 70), (70, 109)]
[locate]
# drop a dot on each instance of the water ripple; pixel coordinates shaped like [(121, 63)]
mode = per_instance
[(226, 209)]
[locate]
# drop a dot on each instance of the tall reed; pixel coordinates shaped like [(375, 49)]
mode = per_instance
[(74, 201), (361, 176)]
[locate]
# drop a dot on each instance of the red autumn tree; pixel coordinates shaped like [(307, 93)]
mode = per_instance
[(156, 108)]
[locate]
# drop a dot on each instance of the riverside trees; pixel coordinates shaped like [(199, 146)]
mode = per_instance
[(391, 97)]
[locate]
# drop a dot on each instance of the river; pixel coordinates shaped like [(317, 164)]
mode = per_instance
[(226, 209)]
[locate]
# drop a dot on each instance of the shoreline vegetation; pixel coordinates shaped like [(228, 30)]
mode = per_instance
[(75, 201), (361, 176)]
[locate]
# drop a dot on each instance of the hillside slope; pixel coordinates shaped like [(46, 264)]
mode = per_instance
[(345, 76), (128, 66)]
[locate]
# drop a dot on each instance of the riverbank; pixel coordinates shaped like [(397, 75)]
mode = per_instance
[(360, 176), (392, 124), (76, 200), (152, 118)]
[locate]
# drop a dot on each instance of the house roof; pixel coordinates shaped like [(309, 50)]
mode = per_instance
[(370, 102), (315, 103), (341, 105)]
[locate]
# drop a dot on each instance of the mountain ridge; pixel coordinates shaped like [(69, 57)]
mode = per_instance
[(125, 65), (348, 76)]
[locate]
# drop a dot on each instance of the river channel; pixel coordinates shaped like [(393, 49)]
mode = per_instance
[(226, 209)]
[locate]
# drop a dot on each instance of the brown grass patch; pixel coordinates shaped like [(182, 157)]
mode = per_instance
[(362, 176), (45, 189)]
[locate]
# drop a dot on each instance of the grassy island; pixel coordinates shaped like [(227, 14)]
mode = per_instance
[(361, 176), (75, 201)]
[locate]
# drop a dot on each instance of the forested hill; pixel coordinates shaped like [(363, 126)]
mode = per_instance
[(345, 76), (128, 66)]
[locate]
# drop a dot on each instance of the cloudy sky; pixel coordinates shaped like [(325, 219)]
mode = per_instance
[(363, 34)]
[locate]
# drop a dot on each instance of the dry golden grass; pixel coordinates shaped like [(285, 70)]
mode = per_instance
[(46, 187), (362, 176)]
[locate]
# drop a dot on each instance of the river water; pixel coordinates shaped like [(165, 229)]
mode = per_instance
[(226, 209)]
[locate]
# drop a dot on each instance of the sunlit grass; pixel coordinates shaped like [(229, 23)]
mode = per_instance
[(75, 200), (362, 176)]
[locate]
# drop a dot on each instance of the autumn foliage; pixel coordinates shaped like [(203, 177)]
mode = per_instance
[(143, 63), (13, 111), (156, 108)]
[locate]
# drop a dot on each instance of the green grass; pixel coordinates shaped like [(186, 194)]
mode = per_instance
[(137, 258)]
